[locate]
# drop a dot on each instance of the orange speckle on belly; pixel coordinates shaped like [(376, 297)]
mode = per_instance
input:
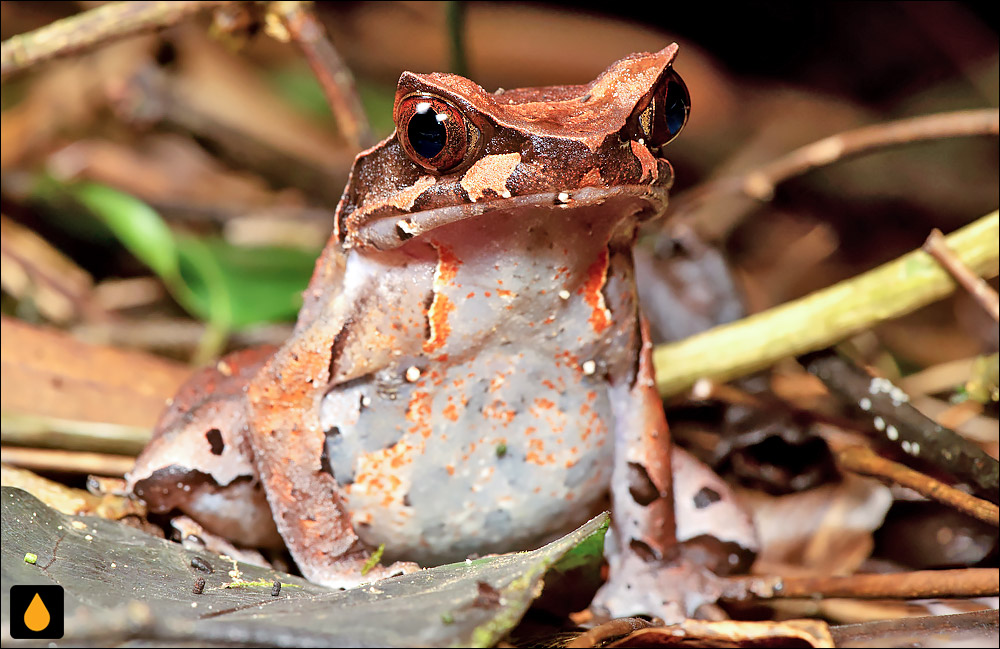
[(418, 412), (437, 317), (597, 275), (545, 404)]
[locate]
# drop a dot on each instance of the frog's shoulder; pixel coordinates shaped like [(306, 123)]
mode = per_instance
[(325, 285)]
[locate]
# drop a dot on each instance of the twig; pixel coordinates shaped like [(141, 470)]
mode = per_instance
[(969, 582), (40, 459), (977, 629), (861, 459), (83, 31), (26, 430), (759, 184), (307, 32), (455, 16), (611, 629), (985, 379), (826, 316), (902, 424), (982, 292)]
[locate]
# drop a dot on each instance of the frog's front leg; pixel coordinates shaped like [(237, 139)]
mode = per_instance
[(288, 445), (649, 570)]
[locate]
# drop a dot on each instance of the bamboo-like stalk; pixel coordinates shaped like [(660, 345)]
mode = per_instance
[(827, 316)]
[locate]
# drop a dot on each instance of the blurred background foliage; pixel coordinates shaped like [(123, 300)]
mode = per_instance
[(225, 144)]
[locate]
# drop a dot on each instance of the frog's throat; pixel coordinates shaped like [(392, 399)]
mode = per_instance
[(391, 231)]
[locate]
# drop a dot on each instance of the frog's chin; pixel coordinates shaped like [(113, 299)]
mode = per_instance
[(641, 202)]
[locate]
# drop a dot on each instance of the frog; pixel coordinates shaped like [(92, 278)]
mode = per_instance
[(470, 372)]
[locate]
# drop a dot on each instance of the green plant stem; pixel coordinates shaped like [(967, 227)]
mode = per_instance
[(827, 316)]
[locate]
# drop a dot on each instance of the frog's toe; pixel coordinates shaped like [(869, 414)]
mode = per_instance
[(672, 590)]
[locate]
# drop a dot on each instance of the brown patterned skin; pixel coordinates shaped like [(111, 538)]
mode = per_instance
[(468, 372)]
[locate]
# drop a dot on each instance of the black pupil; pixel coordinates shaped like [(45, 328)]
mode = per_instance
[(427, 134), (675, 110)]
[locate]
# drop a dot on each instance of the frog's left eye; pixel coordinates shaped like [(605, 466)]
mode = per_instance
[(667, 112), (434, 132)]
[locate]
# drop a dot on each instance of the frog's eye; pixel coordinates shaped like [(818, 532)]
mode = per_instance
[(668, 111), (434, 132)]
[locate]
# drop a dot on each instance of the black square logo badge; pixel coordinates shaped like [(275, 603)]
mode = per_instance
[(36, 612)]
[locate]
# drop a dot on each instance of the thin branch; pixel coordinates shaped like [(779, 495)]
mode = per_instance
[(982, 292), (455, 18), (893, 416), (42, 459), (969, 582), (977, 629), (825, 317), (861, 459), (759, 184), (601, 633), (307, 32), (83, 31)]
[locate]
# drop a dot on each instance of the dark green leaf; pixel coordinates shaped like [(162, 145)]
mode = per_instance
[(122, 584)]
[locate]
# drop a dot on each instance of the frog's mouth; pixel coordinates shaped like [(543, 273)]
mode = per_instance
[(641, 202)]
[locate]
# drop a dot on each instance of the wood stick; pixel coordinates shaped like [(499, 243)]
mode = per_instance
[(89, 29), (977, 287), (861, 459), (970, 582), (43, 459), (336, 80), (825, 317)]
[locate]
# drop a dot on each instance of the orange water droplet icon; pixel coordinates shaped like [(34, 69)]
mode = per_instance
[(36, 617)]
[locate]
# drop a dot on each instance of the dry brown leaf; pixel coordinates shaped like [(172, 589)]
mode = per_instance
[(822, 531), (166, 169), (700, 633), (47, 372), (32, 269), (67, 499)]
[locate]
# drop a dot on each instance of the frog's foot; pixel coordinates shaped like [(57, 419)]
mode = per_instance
[(676, 525), (672, 590), (355, 570), (195, 537)]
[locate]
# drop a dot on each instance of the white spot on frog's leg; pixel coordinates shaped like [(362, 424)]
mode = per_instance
[(879, 424), (490, 173), (865, 403), (892, 433)]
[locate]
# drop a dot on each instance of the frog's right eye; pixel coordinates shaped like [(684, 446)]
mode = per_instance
[(434, 132), (668, 110)]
